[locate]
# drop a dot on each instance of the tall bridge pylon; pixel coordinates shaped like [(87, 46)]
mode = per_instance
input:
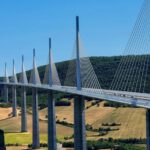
[(51, 105), (23, 80), (35, 80), (79, 102), (14, 93)]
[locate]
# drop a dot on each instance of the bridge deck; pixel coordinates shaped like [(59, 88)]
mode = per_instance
[(131, 98)]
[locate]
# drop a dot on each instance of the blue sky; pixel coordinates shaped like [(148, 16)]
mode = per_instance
[(105, 27)]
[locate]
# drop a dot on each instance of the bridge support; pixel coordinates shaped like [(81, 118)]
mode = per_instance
[(23, 111), (5, 93), (35, 120), (79, 124), (14, 101), (148, 128), (51, 122)]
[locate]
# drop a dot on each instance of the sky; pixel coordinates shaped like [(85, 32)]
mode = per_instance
[(105, 26)]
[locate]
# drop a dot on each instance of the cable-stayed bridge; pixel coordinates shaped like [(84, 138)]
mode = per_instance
[(128, 85)]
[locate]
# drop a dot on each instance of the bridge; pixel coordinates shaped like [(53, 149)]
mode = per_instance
[(133, 70)]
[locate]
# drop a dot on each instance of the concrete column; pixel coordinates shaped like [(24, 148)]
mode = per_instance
[(14, 101), (79, 124), (52, 145), (148, 128), (23, 110), (5, 93), (79, 103), (35, 120)]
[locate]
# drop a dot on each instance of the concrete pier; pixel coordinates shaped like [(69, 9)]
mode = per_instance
[(6, 94), (51, 106), (23, 110), (35, 79), (79, 124), (148, 128), (51, 123), (14, 95), (79, 103), (14, 101), (35, 120)]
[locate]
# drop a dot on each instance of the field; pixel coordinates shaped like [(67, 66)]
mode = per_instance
[(131, 123), (132, 120)]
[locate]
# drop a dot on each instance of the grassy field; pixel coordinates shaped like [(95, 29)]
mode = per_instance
[(131, 120), (132, 123), (12, 126)]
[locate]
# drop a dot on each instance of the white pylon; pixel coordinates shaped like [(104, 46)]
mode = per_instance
[(6, 78), (51, 75), (14, 77), (35, 78), (23, 76)]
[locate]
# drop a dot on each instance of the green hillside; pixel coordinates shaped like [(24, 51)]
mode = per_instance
[(106, 67)]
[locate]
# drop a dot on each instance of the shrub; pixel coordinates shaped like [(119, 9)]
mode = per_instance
[(4, 105), (63, 103), (42, 106), (107, 144), (68, 144), (111, 124), (65, 123), (69, 137), (89, 127)]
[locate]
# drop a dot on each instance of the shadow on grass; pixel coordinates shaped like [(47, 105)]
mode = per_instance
[(14, 132), (6, 119)]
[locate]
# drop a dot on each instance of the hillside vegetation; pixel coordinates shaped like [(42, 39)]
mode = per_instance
[(106, 67)]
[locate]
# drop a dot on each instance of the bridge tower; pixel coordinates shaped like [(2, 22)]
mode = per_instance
[(6, 80), (35, 80), (148, 128), (79, 103), (23, 80), (14, 94), (51, 107)]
